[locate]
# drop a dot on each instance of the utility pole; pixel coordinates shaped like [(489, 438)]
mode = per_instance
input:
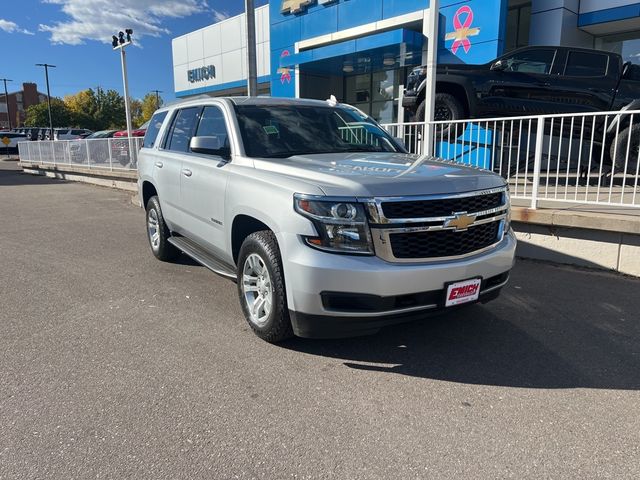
[(119, 43), (46, 75), (252, 79), (157, 92), (6, 99)]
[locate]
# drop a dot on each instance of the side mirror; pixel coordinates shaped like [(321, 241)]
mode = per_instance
[(210, 146), (499, 66)]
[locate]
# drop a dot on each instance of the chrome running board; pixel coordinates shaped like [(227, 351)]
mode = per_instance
[(203, 257)]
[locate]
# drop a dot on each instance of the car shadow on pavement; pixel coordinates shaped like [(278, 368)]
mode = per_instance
[(12, 175), (524, 339)]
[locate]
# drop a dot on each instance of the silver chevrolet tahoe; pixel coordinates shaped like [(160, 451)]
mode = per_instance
[(324, 221)]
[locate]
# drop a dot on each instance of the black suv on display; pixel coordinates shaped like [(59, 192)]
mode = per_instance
[(536, 80)]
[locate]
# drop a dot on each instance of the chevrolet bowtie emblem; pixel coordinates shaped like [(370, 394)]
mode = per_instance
[(294, 6), (461, 222)]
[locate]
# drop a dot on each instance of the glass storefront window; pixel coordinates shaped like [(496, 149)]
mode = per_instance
[(376, 93), (627, 45), (518, 24)]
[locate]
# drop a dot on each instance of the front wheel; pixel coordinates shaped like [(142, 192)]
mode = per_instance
[(261, 287), (446, 108)]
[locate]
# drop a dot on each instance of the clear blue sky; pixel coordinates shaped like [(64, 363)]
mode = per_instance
[(75, 36)]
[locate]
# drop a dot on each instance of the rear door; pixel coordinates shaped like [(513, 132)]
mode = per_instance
[(203, 183), (587, 82)]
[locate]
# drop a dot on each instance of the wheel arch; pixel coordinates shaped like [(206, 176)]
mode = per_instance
[(148, 190), (243, 225)]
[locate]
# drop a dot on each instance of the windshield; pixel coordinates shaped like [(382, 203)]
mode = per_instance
[(281, 131)]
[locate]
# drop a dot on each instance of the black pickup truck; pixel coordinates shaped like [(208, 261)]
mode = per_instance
[(531, 81)]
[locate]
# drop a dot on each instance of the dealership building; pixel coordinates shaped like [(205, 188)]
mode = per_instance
[(362, 50)]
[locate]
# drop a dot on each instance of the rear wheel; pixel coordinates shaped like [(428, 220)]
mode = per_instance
[(158, 233), (261, 287), (628, 140)]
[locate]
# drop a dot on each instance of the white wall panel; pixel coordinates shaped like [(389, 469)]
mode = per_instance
[(231, 30), (224, 46), (595, 5), (212, 40), (179, 47), (194, 45)]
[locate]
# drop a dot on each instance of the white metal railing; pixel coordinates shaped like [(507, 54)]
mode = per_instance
[(587, 158), (98, 153)]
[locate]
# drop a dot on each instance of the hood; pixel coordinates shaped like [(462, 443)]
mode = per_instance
[(381, 174)]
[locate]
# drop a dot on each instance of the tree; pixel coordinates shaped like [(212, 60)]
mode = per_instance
[(150, 103), (38, 115), (97, 109), (135, 106)]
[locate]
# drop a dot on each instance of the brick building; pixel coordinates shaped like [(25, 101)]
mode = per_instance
[(18, 103)]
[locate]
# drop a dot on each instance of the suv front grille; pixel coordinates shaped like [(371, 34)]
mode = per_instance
[(444, 243), (442, 207)]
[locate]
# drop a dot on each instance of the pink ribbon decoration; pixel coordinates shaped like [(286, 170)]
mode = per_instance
[(463, 29), (285, 72)]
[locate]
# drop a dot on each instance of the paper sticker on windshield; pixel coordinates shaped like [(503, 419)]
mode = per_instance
[(270, 130)]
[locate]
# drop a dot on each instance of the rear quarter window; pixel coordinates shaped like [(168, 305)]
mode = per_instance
[(152, 130), (586, 64)]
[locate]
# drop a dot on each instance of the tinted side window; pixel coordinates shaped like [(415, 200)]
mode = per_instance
[(152, 130), (212, 124), (582, 64), (182, 129), (531, 61)]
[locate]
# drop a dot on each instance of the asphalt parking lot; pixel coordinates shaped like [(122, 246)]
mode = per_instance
[(114, 365)]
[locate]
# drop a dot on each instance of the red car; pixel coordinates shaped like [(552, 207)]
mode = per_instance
[(120, 145)]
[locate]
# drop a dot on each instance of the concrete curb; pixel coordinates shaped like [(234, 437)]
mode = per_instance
[(608, 222), (122, 180)]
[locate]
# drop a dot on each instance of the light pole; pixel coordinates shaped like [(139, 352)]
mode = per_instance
[(46, 76), (120, 43), (157, 92), (6, 99), (252, 79)]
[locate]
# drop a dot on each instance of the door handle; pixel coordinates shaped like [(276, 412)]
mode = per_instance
[(159, 164), (186, 172)]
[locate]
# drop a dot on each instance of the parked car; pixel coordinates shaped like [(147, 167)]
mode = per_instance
[(70, 133), (120, 146), (328, 226), (102, 134), (14, 138)]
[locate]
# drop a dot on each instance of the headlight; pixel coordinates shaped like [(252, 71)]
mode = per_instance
[(342, 225)]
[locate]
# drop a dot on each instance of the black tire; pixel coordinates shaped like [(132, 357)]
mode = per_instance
[(161, 248), (621, 145), (447, 107), (276, 325)]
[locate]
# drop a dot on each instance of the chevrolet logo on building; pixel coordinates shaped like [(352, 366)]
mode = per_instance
[(461, 222), (297, 6)]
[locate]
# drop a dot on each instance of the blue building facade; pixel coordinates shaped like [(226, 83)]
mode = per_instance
[(361, 51)]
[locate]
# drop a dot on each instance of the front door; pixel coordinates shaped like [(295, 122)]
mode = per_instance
[(168, 165), (523, 86), (203, 182)]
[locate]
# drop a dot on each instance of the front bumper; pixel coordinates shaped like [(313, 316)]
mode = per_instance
[(397, 292), (409, 101)]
